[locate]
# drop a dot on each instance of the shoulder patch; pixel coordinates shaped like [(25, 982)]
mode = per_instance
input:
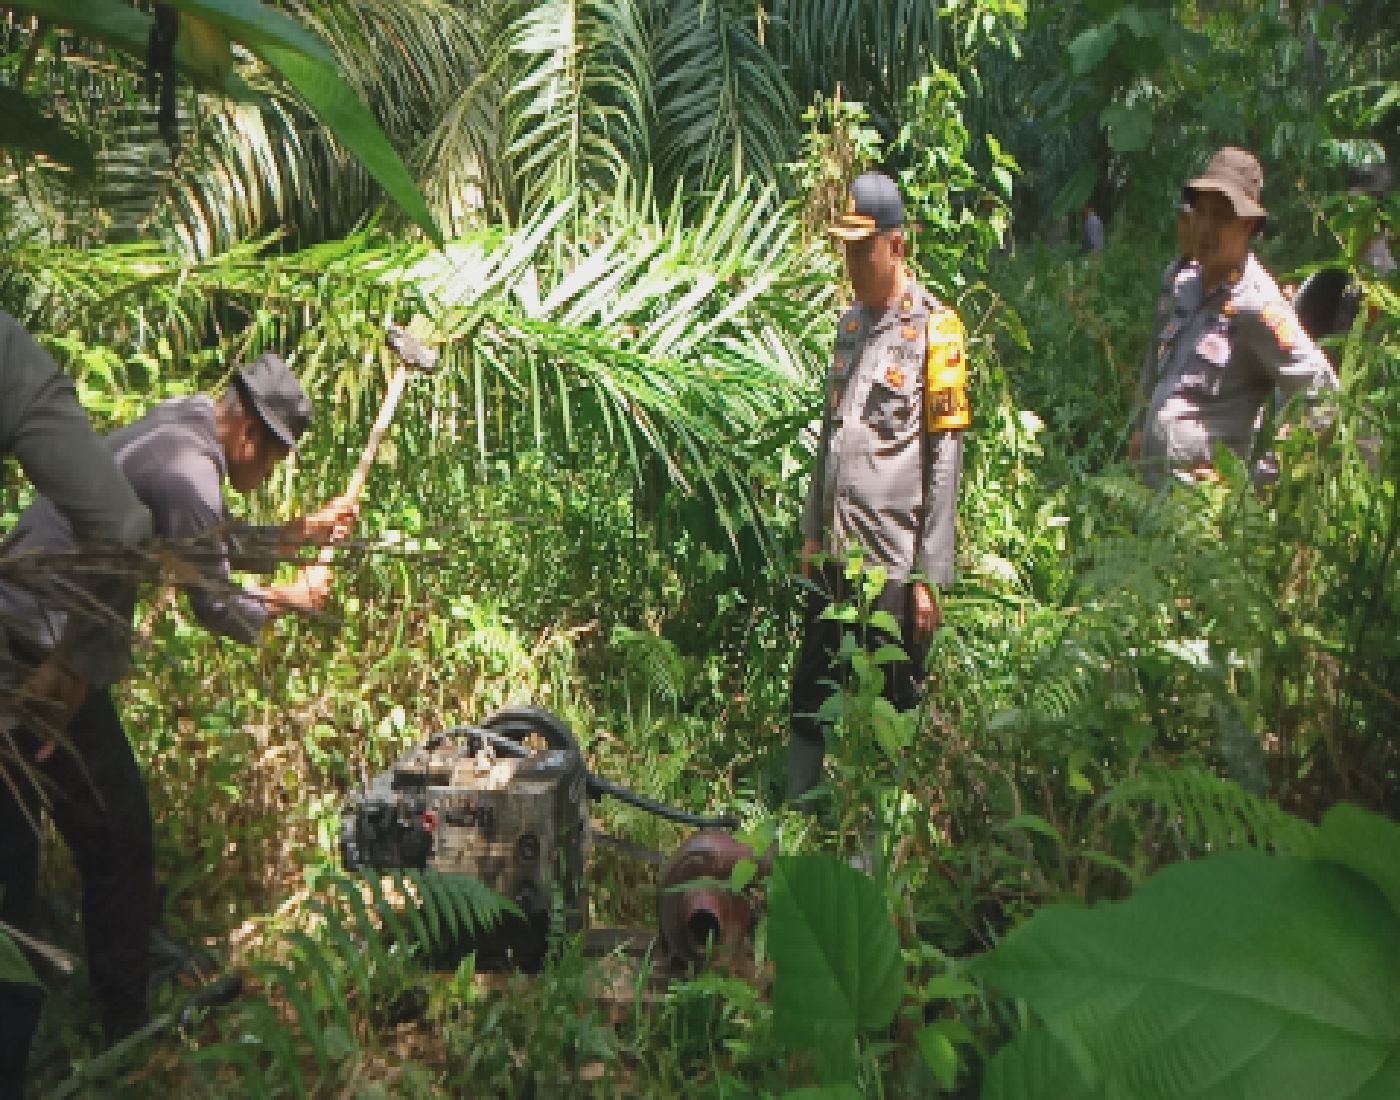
[(1280, 321)]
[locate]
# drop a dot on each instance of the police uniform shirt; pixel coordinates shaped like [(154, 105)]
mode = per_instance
[(173, 460), (880, 481), (1219, 358), (1176, 272), (43, 426)]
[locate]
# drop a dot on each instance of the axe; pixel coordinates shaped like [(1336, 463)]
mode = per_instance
[(413, 355)]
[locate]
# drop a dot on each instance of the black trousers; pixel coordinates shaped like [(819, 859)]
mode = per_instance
[(97, 799), (818, 670)]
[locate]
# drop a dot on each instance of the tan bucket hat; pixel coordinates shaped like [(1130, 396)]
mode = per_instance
[(1236, 174)]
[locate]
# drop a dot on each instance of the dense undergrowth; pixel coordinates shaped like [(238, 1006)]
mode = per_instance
[(1107, 655), (1152, 700)]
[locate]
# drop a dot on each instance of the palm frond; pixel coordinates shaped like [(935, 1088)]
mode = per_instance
[(724, 107), (871, 49), (1213, 813), (580, 109), (676, 343)]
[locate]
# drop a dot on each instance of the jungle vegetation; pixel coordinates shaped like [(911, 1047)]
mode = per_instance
[(1140, 840)]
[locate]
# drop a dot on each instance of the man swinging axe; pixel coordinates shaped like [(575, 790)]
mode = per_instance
[(178, 459)]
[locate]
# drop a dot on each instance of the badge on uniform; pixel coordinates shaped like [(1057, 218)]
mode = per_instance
[(852, 325), (909, 332), (1214, 348), (894, 376)]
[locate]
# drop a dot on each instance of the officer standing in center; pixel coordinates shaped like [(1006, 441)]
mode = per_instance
[(888, 464)]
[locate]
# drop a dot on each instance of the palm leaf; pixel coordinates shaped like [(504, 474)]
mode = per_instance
[(580, 109), (724, 108)]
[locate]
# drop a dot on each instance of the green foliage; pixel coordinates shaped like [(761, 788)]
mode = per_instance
[(292, 51), (365, 930), (1208, 978), (593, 505), (14, 967), (838, 967), (1212, 813)]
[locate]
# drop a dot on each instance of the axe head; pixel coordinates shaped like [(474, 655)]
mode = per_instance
[(412, 352)]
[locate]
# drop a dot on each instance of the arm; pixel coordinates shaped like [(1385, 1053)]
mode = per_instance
[(1286, 353), (934, 553), (261, 549), (1147, 371), (44, 427), (187, 502)]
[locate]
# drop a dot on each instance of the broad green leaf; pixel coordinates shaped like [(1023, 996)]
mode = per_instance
[(335, 104), (1366, 843), (1036, 1064), (824, 1092), (742, 874), (14, 967), (888, 655), (938, 1044), (1140, 23), (1091, 47), (289, 48), (1241, 975), (1129, 128), (255, 24), (1076, 191), (883, 620), (122, 27), (893, 730), (835, 953)]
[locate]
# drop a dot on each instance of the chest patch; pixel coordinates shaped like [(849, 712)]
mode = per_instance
[(895, 376), (1214, 348)]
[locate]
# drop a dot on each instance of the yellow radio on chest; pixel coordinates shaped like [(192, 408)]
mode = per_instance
[(945, 382)]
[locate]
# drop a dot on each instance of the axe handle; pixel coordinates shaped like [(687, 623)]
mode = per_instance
[(376, 436)]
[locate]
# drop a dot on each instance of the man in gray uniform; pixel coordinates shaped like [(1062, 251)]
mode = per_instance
[(1229, 340), (885, 480), (45, 429), (176, 458)]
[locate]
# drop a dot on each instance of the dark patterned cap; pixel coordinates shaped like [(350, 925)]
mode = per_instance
[(874, 206), (270, 387)]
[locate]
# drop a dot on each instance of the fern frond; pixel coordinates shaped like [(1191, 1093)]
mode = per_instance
[(1214, 813), (363, 923)]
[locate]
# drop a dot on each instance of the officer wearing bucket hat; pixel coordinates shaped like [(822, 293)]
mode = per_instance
[(177, 459), (887, 468), (1229, 339)]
